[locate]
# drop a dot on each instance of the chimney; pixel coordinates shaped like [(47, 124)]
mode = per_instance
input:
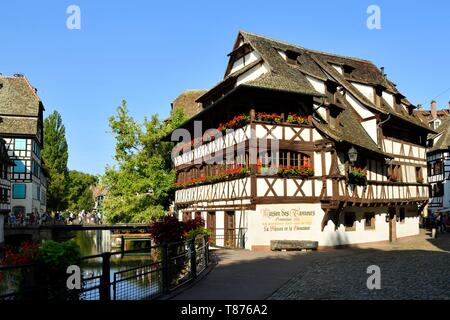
[(433, 110)]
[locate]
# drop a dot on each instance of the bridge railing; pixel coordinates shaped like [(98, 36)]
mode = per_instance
[(159, 270)]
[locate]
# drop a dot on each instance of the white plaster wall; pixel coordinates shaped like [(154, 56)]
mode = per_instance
[(366, 90), (338, 68), (257, 235), (359, 108), (332, 237), (220, 224), (389, 98), (371, 129), (318, 85), (282, 54), (244, 61), (410, 227), (252, 74)]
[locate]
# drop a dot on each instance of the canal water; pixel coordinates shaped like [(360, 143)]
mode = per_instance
[(132, 285)]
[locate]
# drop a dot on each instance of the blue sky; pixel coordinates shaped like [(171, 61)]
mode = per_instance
[(147, 52)]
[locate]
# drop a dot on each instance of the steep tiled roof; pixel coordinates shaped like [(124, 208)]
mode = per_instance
[(349, 129), (18, 97), (187, 102), (442, 138), (16, 125), (19, 106)]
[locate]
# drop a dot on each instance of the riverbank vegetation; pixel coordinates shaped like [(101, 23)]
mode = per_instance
[(140, 184)]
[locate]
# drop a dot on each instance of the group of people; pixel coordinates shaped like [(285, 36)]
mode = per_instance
[(29, 219), (26, 219), (84, 217)]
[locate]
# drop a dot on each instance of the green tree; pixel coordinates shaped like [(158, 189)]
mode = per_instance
[(140, 185), (55, 155), (79, 194)]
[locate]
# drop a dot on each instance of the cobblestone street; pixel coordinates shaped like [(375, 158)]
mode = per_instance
[(416, 268)]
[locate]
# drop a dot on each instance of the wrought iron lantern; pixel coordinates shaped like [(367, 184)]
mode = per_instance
[(352, 155)]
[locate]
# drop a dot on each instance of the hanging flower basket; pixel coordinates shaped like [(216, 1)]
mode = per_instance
[(358, 176)]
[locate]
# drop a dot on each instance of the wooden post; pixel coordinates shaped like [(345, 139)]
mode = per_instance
[(165, 267), (193, 256), (105, 282)]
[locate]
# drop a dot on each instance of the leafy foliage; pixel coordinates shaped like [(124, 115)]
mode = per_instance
[(167, 229), (59, 255), (80, 195), (140, 185), (55, 155)]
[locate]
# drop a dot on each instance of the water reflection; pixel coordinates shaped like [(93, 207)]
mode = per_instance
[(133, 275)]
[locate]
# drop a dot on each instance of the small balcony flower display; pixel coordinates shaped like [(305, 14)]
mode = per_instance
[(357, 176), (268, 117), (235, 123), (296, 119), (230, 173), (292, 171), (394, 177)]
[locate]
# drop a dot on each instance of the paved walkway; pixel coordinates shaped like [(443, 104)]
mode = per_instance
[(413, 268)]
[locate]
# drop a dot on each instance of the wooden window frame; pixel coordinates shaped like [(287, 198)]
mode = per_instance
[(372, 216)]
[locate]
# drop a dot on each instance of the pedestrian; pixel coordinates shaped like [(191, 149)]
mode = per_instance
[(439, 222)]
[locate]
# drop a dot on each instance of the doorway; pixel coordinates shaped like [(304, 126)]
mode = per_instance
[(230, 225), (211, 225)]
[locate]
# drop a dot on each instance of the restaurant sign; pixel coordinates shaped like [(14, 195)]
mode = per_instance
[(286, 220)]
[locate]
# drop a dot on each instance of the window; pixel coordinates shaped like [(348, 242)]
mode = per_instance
[(4, 171), (395, 173), (19, 191), (438, 190), (186, 216), (36, 192), (20, 144), (419, 175), (4, 195), (402, 215), (350, 221), (437, 167), (19, 166), (36, 149), (369, 218), (291, 56), (294, 159), (35, 168)]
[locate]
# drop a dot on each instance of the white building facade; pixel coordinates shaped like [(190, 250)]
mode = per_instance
[(22, 129)]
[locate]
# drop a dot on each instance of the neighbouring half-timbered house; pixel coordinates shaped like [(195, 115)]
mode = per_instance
[(319, 147), (5, 187), (439, 168), (21, 126)]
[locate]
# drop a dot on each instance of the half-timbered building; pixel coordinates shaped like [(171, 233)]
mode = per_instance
[(5, 187), (439, 168), (317, 147), (21, 126)]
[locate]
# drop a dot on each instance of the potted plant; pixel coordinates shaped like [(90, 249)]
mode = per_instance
[(357, 176)]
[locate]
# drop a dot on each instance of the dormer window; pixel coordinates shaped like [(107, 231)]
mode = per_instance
[(347, 69), (436, 123), (291, 56)]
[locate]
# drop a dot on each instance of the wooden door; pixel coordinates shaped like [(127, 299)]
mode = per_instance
[(230, 225), (211, 225), (392, 224)]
